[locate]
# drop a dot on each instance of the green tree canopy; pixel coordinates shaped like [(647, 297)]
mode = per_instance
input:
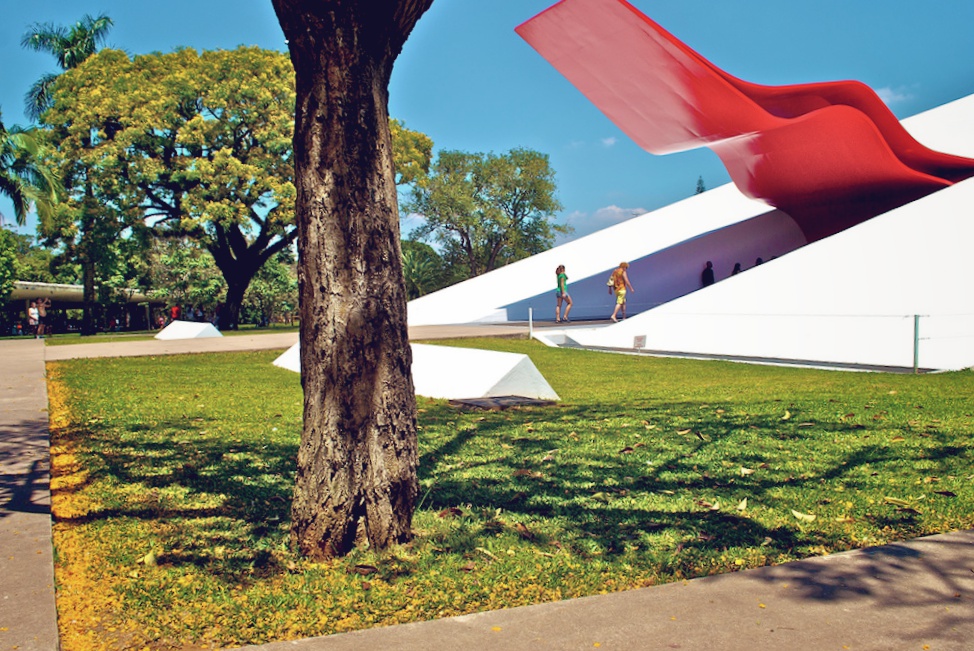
[(274, 290), (38, 264), (182, 273), (8, 263), (424, 269), (488, 210), (412, 152)]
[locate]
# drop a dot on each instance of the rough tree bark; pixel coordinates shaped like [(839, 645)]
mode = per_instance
[(356, 479)]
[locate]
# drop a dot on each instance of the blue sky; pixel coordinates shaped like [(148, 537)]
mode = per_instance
[(470, 83)]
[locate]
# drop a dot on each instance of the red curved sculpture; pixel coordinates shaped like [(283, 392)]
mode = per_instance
[(829, 154)]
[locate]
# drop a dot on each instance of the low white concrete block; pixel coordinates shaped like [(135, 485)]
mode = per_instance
[(454, 373), (188, 330), (451, 373), (290, 359)]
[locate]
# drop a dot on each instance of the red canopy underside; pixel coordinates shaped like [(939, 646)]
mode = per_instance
[(831, 155)]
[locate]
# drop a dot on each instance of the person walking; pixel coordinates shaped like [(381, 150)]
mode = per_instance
[(707, 276), (561, 295), (42, 306), (618, 284)]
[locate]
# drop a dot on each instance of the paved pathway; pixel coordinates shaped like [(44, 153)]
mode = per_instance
[(121, 348), (913, 595), (27, 617)]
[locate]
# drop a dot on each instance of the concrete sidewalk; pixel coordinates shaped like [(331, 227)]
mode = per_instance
[(142, 347), (28, 620), (913, 595), (917, 595)]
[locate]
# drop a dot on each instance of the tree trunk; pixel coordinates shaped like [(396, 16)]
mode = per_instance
[(230, 315), (89, 304), (239, 268), (356, 480)]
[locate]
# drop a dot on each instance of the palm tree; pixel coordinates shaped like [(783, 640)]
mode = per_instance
[(69, 45), (23, 177)]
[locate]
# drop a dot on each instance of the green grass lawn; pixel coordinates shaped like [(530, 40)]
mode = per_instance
[(172, 481)]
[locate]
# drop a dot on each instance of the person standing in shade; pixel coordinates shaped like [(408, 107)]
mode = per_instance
[(707, 277), (618, 284), (33, 318), (737, 269), (561, 295)]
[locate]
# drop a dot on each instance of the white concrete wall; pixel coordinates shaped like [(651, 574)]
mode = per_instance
[(848, 298)]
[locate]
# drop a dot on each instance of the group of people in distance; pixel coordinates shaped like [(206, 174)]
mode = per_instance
[(37, 316), (707, 275), (618, 284)]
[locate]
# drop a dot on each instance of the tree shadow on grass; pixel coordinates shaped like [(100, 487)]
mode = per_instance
[(602, 499), (520, 461), (206, 492)]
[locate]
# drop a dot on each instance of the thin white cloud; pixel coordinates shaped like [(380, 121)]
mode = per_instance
[(587, 223), (610, 141), (891, 96)]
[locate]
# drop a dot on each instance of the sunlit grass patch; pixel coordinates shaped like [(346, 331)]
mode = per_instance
[(172, 482)]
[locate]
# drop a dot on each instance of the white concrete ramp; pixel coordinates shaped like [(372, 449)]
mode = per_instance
[(848, 299), (455, 373), (508, 293), (188, 330)]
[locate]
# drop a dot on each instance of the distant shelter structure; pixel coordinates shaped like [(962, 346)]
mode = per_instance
[(130, 310)]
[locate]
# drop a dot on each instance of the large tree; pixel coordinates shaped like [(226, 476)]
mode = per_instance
[(196, 146), (488, 210), (357, 459), (192, 145), (70, 46)]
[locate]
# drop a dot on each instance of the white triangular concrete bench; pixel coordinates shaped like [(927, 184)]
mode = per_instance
[(454, 373), (188, 330)]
